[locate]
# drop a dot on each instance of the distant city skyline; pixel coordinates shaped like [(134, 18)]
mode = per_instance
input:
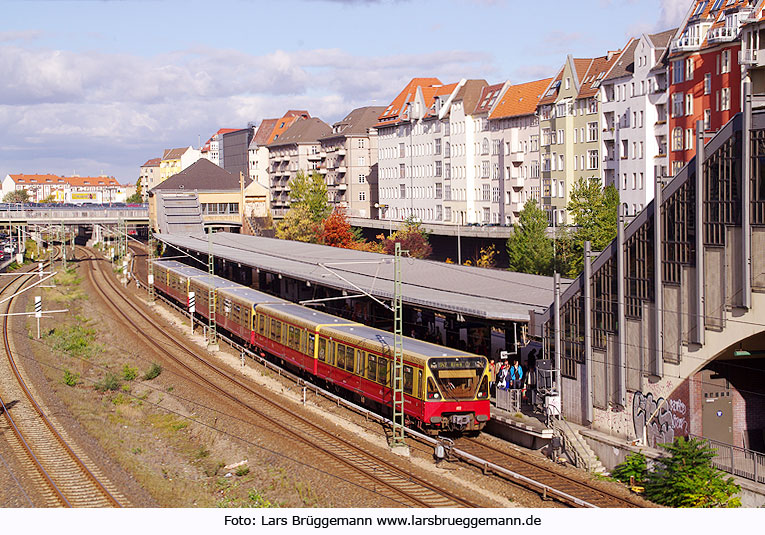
[(93, 87)]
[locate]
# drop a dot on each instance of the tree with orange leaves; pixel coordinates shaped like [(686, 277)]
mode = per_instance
[(336, 231)]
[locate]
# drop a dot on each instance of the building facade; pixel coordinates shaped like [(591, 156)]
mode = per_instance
[(149, 175), (174, 161)]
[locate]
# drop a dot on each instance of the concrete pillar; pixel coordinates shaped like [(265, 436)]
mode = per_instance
[(557, 353), (587, 294), (621, 354), (746, 171), (658, 330), (699, 210)]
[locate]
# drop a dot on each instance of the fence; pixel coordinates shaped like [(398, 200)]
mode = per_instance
[(509, 400), (737, 461)]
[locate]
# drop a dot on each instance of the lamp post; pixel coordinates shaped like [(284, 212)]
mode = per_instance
[(390, 221)]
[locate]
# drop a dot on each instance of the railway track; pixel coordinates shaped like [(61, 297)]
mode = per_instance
[(366, 468), (565, 487), (60, 471), (518, 468)]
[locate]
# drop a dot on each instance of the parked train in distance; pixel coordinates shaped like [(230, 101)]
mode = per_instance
[(445, 389)]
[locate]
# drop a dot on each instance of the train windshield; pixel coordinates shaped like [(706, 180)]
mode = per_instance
[(455, 377)]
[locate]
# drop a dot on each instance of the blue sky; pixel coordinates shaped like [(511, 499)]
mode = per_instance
[(101, 86)]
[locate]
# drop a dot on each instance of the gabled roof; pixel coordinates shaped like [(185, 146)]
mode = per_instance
[(303, 131), (38, 179), (358, 122), (625, 62), (263, 134), (174, 154), (283, 124), (434, 94), (711, 11), (549, 96), (393, 112), (470, 93), (662, 39), (520, 99), (593, 77), (487, 98), (86, 181), (202, 175), (154, 162)]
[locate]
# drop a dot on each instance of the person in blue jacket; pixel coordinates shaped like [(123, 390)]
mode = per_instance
[(516, 375)]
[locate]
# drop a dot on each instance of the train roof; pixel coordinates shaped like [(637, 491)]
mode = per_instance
[(411, 346), (306, 314), (214, 281), (171, 264), (253, 296)]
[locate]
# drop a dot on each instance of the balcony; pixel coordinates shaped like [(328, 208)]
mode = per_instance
[(722, 35), (314, 157), (341, 187), (341, 169), (686, 44), (341, 152), (515, 182), (751, 57), (608, 133), (516, 157), (323, 171)]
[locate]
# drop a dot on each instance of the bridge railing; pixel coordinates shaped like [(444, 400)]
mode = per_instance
[(59, 214), (741, 462)]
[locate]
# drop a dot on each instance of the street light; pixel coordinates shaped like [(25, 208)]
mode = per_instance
[(390, 221)]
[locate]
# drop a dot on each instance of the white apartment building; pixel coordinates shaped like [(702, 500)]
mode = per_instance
[(634, 121), (515, 163)]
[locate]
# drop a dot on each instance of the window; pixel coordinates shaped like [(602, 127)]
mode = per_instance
[(485, 169), (362, 143), (689, 139), (707, 83), (560, 162), (689, 69), (677, 72), (362, 179), (401, 170), (592, 105), (592, 159), (677, 139), (438, 167), (402, 191), (486, 192), (561, 137), (401, 150), (725, 98), (725, 61), (438, 190), (592, 131), (689, 104), (707, 119), (485, 146), (495, 146), (362, 195), (560, 109)]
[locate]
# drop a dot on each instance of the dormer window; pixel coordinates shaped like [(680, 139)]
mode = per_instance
[(700, 8)]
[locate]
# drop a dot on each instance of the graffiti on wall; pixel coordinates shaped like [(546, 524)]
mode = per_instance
[(667, 418)]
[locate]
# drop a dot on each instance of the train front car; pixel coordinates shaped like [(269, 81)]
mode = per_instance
[(457, 393)]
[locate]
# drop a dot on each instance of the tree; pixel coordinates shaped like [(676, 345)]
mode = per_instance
[(634, 468), (139, 187), (50, 199), (298, 225), (17, 195), (486, 257), (310, 191), (336, 231), (594, 212), (687, 478), (412, 239), (529, 248)]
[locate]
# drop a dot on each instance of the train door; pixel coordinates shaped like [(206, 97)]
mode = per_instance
[(717, 407)]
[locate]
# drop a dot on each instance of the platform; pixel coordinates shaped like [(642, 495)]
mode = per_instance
[(525, 428)]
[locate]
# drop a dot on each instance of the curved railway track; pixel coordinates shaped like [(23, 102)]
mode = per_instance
[(535, 475), (363, 467), (60, 471)]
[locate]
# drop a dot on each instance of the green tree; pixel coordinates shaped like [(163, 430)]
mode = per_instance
[(687, 478), (135, 198), (139, 187), (634, 466), (593, 210), (311, 192), (18, 195), (529, 248), (298, 225)]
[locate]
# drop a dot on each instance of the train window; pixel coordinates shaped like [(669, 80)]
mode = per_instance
[(408, 380), (372, 369), (311, 342), (382, 371), (432, 389), (261, 324), (419, 384), (331, 353), (360, 362), (349, 359), (340, 356), (322, 349)]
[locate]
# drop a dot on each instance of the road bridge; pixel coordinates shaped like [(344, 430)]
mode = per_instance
[(664, 332), (73, 215)]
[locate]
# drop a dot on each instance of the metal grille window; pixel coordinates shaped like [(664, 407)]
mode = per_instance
[(758, 177), (678, 222), (639, 270), (722, 177), (572, 335), (603, 304)]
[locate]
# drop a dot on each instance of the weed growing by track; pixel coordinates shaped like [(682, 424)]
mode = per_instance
[(77, 340)]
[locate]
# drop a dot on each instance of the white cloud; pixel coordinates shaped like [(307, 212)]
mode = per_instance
[(125, 109), (672, 13)]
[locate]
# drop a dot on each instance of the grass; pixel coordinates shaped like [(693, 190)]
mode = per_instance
[(76, 340), (129, 373), (242, 471), (70, 378), (109, 383), (168, 422), (152, 372)]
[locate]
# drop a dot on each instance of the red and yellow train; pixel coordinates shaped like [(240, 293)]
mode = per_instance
[(444, 389)]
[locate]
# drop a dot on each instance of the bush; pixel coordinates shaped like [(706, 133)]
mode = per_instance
[(153, 372), (110, 382), (129, 373), (634, 467), (687, 478), (242, 471), (71, 379)]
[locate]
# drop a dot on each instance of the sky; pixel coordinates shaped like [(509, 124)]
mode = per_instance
[(96, 87)]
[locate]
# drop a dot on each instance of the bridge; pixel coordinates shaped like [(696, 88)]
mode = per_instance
[(664, 332), (85, 214)]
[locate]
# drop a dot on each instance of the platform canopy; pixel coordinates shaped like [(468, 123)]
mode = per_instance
[(492, 294)]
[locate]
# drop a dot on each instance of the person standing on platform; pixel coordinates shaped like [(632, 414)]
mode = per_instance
[(516, 375), (492, 378)]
